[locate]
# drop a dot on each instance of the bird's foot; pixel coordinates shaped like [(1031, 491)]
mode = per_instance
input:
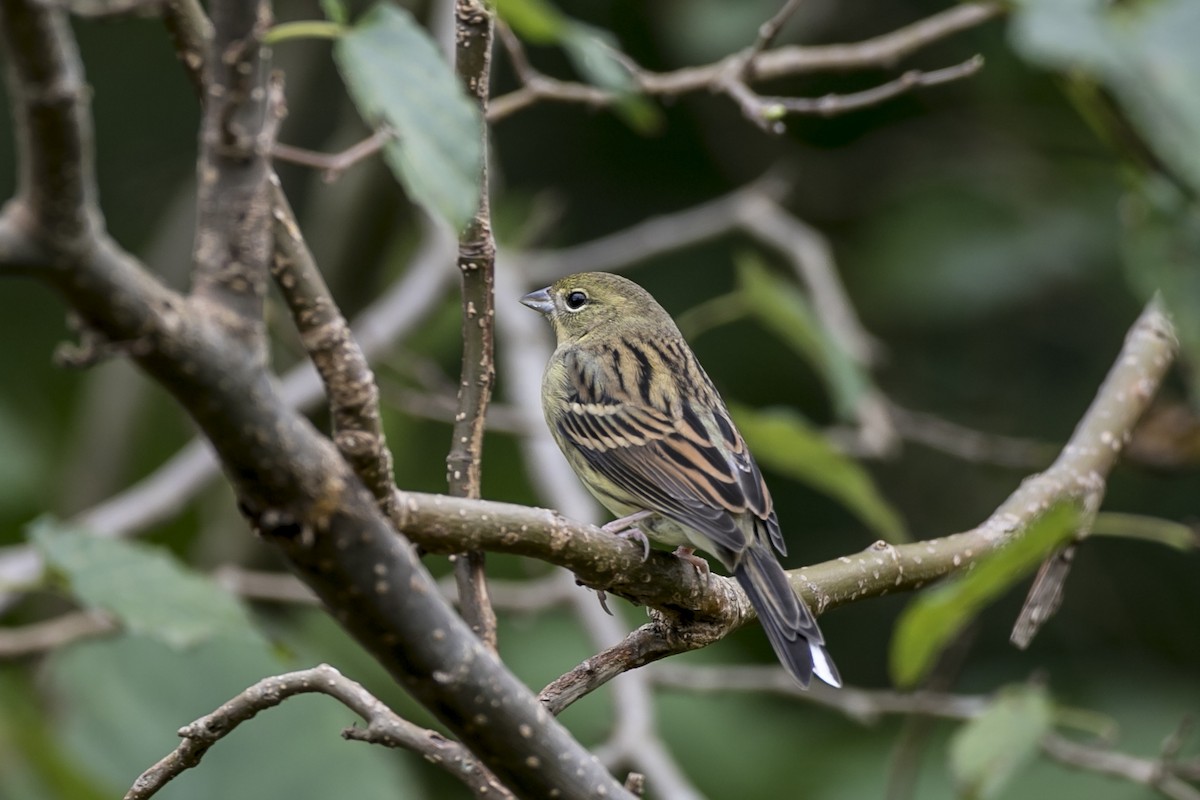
[(637, 535), (626, 522), (688, 554), (626, 528)]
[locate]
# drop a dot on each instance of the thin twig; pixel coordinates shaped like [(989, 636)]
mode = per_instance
[(332, 165), (476, 264), (732, 73), (384, 726), (968, 444), (39, 637), (833, 104), (1152, 773)]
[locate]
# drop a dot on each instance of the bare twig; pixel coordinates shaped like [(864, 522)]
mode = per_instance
[(38, 637), (1152, 773), (384, 726), (969, 444), (332, 165), (734, 73), (833, 104), (476, 264)]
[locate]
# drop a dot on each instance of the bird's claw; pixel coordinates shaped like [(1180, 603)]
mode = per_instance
[(688, 554), (637, 535)]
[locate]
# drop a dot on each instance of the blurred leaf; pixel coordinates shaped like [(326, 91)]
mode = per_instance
[(1150, 529), (783, 441), (335, 11), (145, 588), (1161, 248), (124, 698), (990, 749), (1144, 52), (33, 762), (22, 464), (398, 78), (784, 309), (936, 616), (535, 21)]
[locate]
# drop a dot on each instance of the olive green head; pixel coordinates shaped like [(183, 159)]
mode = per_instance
[(598, 303)]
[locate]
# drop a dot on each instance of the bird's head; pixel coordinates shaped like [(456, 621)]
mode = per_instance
[(591, 302)]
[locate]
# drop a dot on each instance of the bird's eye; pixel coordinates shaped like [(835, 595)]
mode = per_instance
[(576, 300)]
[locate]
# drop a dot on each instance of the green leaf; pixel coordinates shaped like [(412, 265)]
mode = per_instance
[(1145, 53), (785, 442), (593, 51), (335, 11), (145, 588), (535, 21), (785, 311), (1150, 529), (990, 749), (932, 620), (397, 78)]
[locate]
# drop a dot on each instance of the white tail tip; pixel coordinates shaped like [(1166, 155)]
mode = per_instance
[(823, 666)]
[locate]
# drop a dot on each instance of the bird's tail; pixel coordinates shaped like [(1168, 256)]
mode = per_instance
[(789, 624)]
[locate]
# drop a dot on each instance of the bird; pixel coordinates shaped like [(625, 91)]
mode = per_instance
[(645, 430)]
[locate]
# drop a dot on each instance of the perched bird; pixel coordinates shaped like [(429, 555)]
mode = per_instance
[(645, 430)]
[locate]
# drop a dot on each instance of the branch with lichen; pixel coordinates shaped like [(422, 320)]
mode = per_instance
[(476, 266), (384, 727)]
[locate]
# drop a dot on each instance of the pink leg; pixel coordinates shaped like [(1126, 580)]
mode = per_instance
[(688, 554), (626, 528), (626, 522)]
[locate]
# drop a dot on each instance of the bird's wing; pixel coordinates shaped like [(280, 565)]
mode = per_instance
[(692, 467)]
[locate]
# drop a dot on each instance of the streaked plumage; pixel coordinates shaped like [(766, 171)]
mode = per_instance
[(645, 429)]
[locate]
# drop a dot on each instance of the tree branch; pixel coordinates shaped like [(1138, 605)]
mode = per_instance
[(291, 482), (476, 265), (384, 726), (347, 377), (241, 115), (733, 74)]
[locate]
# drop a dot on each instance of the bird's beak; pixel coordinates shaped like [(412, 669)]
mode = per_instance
[(539, 301)]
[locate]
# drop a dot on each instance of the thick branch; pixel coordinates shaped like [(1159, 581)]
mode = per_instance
[(476, 264), (294, 485), (349, 381), (53, 127), (233, 243)]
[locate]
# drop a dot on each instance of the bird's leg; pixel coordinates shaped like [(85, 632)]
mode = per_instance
[(688, 554), (626, 522), (626, 528)]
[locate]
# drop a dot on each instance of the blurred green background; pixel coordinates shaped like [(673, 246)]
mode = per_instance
[(991, 233)]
